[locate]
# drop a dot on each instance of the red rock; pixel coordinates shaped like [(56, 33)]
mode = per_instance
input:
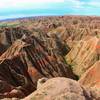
[(91, 78), (25, 62)]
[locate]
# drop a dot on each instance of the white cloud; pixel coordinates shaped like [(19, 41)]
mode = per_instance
[(25, 3), (77, 4), (94, 3), (34, 1)]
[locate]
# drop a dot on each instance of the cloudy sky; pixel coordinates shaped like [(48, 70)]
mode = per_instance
[(25, 8)]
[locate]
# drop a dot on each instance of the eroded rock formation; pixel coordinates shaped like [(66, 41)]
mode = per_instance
[(52, 90), (36, 47), (91, 78), (83, 55), (24, 63)]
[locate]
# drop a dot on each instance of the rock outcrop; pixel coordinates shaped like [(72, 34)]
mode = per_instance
[(10, 34), (60, 89), (83, 55), (24, 63), (51, 89), (91, 78), (14, 78)]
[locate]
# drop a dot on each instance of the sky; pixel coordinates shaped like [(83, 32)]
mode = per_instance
[(27, 8)]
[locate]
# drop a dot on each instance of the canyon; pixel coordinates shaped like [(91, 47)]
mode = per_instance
[(50, 58)]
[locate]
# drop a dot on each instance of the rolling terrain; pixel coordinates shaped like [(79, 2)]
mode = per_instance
[(64, 50)]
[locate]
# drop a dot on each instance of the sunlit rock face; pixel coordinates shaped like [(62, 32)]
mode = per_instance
[(52, 90), (83, 55), (91, 78)]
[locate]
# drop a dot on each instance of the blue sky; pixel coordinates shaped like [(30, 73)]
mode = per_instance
[(25, 8)]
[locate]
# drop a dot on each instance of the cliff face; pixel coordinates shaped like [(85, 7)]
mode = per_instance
[(25, 62), (83, 55), (10, 34), (14, 75), (91, 78)]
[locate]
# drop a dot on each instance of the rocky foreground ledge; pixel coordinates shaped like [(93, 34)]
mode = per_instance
[(61, 88)]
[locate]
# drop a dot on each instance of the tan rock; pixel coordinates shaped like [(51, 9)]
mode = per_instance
[(83, 55), (59, 89), (95, 93)]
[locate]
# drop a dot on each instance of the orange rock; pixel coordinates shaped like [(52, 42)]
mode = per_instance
[(91, 78)]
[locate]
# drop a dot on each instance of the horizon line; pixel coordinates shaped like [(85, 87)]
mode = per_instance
[(51, 15)]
